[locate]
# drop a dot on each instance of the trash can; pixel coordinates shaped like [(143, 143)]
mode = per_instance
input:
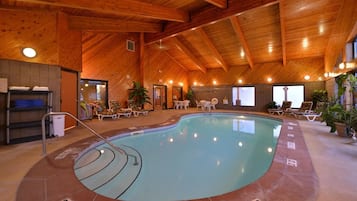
[(58, 125)]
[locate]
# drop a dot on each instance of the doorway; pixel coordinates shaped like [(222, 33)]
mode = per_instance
[(69, 96), (176, 94), (160, 97)]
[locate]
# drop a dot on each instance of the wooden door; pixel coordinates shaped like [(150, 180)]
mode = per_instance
[(160, 97), (69, 96)]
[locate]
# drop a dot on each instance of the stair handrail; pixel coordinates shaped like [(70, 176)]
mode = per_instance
[(44, 152)]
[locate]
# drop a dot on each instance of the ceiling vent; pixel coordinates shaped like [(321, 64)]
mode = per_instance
[(130, 45)]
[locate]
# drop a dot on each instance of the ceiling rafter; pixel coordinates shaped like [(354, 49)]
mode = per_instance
[(282, 31), (213, 48), (206, 16), (237, 29), (188, 52), (111, 25), (218, 3), (120, 8)]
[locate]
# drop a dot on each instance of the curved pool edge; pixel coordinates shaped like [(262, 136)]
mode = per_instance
[(290, 177)]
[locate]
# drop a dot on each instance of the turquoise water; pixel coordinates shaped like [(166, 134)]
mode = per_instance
[(204, 155)]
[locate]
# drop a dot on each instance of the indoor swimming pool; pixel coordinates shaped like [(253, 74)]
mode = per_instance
[(203, 155)]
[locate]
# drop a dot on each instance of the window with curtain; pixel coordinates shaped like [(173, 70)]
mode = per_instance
[(243, 96)]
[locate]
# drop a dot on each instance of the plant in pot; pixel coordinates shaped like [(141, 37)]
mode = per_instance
[(138, 96), (339, 117), (190, 96), (272, 105), (319, 96)]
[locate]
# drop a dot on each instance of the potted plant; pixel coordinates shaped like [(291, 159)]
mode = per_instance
[(319, 96), (339, 117), (272, 105), (190, 96), (138, 96)]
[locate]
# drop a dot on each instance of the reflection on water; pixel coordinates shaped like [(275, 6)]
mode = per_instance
[(202, 156)]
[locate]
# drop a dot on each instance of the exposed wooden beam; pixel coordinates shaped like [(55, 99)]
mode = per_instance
[(346, 19), (353, 33), (213, 48), (218, 3), (120, 8), (282, 30), (206, 16), (186, 51), (237, 29), (111, 25)]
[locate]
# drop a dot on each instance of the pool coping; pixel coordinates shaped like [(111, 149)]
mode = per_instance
[(291, 175)]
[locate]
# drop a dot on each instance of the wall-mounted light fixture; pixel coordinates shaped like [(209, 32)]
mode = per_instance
[(29, 52)]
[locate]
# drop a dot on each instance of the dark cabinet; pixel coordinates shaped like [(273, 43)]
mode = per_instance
[(24, 112)]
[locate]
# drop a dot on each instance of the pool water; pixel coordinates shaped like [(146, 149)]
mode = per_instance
[(203, 155)]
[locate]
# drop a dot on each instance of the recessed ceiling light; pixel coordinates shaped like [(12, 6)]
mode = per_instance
[(29, 52), (307, 77)]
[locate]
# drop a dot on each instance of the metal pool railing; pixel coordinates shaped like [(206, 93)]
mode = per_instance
[(44, 152)]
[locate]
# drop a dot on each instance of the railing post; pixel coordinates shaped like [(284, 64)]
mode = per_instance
[(44, 152)]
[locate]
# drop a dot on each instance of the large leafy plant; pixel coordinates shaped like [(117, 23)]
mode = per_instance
[(138, 96)]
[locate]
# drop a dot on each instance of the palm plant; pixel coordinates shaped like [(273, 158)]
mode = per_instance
[(138, 95)]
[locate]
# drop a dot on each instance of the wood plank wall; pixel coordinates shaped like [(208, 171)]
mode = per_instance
[(105, 57), (160, 69), (46, 32), (28, 74)]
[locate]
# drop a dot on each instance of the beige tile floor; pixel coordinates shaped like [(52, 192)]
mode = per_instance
[(334, 159)]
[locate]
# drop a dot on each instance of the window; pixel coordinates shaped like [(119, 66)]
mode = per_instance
[(243, 96), (294, 93), (94, 91)]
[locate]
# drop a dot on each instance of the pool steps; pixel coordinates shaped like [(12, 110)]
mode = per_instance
[(108, 172), (94, 167), (119, 184), (87, 158)]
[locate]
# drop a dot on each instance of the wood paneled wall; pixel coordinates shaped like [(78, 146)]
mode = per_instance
[(105, 57), (69, 45), (293, 72), (29, 74), (161, 69), (44, 31)]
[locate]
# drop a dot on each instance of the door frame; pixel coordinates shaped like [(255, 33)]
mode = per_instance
[(165, 94)]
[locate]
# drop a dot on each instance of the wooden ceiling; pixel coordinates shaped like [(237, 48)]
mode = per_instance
[(208, 34)]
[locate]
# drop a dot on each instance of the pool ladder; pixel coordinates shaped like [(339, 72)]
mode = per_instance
[(44, 152)]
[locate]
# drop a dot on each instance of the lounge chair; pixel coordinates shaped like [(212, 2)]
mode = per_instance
[(313, 114), (305, 108), (285, 107), (114, 107), (102, 112)]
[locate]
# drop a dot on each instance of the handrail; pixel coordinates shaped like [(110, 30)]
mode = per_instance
[(86, 126)]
